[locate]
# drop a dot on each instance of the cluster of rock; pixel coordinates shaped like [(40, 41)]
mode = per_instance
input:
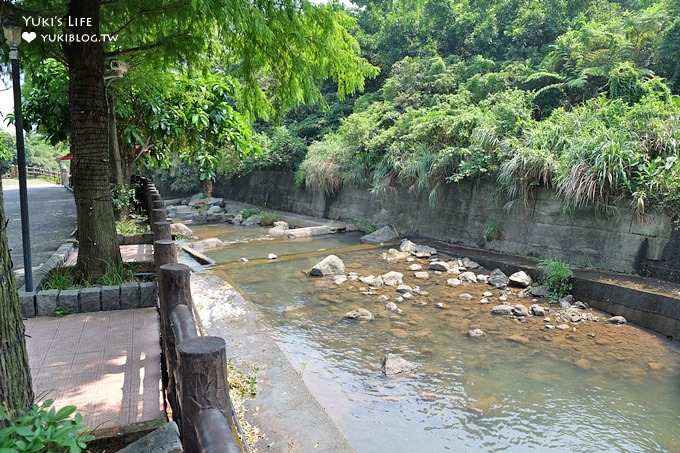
[(566, 315), (199, 209)]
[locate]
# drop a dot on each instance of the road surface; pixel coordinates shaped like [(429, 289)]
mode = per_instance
[(52, 218)]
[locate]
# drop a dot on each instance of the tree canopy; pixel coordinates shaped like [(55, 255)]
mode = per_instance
[(579, 96), (277, 52)]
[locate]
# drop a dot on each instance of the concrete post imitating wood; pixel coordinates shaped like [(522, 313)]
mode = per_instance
[(202, 375), (174, 289), (164, 252), (158, 204), (161, 231), (149, 200), (158, 215)]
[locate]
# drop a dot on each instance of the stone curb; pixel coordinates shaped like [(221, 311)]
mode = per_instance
[(83, 300), (86, 300)]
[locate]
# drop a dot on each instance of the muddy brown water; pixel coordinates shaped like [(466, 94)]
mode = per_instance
[(592, 387)]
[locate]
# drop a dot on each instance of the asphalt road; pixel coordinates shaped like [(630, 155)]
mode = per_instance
[(52, 218)]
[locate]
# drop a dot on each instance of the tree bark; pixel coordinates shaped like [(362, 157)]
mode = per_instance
[(98, 245), (16, 389), (117, 175)]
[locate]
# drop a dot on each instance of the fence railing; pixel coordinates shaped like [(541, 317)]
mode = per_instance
[(194, 367), (34, 172)]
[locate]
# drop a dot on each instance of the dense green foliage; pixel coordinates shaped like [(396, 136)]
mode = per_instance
[(42, 428), (578, 96), (557, 276), (39, 153)]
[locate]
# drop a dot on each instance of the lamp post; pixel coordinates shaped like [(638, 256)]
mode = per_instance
[(12, 31)]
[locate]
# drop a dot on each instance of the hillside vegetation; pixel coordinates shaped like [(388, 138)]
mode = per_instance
[(578, 96)]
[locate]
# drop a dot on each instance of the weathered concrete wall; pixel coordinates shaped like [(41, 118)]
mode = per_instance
[(543, 229)]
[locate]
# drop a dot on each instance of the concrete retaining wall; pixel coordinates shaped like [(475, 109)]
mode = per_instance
[(543, 229)]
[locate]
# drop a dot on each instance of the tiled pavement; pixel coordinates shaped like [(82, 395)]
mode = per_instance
[(107, 364)]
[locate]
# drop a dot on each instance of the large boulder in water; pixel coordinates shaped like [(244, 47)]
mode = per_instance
[(331, 265), (181, 229), (384, 234), (395, 364)]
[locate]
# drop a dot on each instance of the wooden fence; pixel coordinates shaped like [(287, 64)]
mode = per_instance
[(194, 367), (34, 172)]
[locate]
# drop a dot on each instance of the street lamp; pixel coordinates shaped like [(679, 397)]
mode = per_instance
[(12, 31)]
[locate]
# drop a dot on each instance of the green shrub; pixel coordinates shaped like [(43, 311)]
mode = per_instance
[(249, 212), (122, 197), (43, 429), (267, 218), (58, 278), (116, 276), (60, 311), (492, 231), (557, 277), (131, 226)]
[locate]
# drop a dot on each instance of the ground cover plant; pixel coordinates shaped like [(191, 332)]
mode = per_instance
[(42, 428), (64, 278)]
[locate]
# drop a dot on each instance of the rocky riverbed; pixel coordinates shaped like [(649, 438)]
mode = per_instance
[(412, 283)]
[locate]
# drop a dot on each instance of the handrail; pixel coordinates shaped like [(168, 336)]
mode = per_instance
[(189, 361)]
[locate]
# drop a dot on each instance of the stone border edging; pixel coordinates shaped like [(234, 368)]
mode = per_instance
[(84, 300)]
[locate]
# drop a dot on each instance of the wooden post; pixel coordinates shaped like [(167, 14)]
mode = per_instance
[(158, 215), (158, 204), (174, 289), (202, 375), (161, 231), (164, 252)]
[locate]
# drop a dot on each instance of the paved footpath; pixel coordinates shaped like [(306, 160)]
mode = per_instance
[(52, 218), (107, 364)]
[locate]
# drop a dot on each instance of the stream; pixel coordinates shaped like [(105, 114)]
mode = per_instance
[(592, 387)]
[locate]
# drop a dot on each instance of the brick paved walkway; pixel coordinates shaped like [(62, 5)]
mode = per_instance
[(107, 364)]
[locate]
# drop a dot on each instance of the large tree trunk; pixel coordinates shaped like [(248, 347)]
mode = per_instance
[(98, 246), (16, 389)]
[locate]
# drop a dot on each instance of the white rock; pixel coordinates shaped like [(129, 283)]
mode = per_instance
[(453, 282), (404, 289), (520, 279), (468, 277), (331, 265), (392, 278), (440, 266), (391, 306), (395, 364), (360, 314)]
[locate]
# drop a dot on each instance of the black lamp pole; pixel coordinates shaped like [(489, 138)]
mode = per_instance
[(13, 36)]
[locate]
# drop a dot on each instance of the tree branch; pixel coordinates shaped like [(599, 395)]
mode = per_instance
[(134, 49)]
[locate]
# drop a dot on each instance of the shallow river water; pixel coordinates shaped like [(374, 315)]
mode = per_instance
[(593, 387)]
